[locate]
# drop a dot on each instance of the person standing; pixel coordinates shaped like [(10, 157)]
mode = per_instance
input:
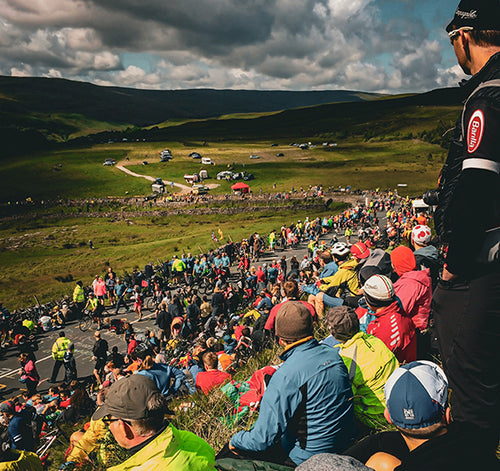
[(29, 374), (79, 296), (466, 302), (58, 350), (99, 355)]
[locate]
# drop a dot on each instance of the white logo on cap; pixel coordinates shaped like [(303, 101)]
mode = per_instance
[(466, 14), (409, 414)]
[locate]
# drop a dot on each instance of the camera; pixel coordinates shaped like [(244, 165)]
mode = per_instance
[(431, 197)]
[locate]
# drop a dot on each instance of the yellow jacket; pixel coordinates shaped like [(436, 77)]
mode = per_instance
[(345, 278), (172, 450), (89, 442), (59, 348), (369, 363), (26, 461), (78, 294)]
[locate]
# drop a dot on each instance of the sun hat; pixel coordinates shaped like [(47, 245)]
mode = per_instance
[(476, 14), (378, 291), (421, 234), (293, 321), (128, 398), (416, 395)]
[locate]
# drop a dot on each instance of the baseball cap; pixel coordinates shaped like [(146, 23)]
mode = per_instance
[(342, 322), (416, 395), (378, 291), (360, 250), (421, 234), (128, 398), (476, 14), (293, 321)]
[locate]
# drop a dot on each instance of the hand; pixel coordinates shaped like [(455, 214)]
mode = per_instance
[(232, 448), (446, 275)]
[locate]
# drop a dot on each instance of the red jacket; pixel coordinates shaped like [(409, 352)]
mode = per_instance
[(414, 289), (395, 329), (207, 380)]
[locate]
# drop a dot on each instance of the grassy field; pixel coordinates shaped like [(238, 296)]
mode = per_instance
[(80, 173), (47, 258)]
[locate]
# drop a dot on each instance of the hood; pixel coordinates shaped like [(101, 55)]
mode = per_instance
[(421, 276), (427, 252)]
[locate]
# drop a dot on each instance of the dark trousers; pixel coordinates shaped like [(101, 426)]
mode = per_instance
[(467, 317), (55, 370), (275, 454), (121, 302)]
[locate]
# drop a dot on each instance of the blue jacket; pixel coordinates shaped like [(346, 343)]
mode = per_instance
[(162, 374), (307, 405)]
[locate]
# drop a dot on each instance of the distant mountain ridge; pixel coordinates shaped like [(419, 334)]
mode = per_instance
[(147, 107)]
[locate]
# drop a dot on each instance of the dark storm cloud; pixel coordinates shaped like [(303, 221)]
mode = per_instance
[(294, 44)]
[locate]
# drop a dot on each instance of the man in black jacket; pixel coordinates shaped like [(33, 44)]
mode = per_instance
[(466, 302), (100, 354)]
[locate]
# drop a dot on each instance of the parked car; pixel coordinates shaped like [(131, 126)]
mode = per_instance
[(207, 161), (200, 189), (144, 162), (253, 156), (274, 145), (195, 155), (109, 162), (248, 176), (225, 175), (280, 154)]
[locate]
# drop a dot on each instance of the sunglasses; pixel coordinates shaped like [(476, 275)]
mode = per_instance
[(454, 34), (107, 420)]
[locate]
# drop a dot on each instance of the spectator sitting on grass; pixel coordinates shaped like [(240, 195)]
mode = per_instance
[(211, 377), (369, 364), (417, 398), (134, 410)]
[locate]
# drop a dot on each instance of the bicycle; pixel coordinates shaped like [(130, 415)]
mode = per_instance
[(86, 321)]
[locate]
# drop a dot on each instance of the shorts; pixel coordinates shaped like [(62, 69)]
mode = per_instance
[(138, 305), (100, 364)]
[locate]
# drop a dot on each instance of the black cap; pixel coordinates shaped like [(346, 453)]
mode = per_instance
[(477, 14)]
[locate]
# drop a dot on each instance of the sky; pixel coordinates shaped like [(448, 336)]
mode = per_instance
[(388, 46)]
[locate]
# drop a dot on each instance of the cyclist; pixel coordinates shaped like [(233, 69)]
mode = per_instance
[(96, 309)]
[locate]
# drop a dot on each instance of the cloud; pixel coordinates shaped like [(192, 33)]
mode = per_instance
[(279, 44)]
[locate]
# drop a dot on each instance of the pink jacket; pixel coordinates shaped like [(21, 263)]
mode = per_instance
[(100, 288), (414, 289)]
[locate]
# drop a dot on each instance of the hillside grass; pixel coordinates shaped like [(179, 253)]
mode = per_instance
[(79, 173)]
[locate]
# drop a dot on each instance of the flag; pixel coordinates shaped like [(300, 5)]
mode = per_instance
[(221, 235), (214, 238)]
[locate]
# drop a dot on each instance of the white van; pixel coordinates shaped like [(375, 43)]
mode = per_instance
[(206, 161)]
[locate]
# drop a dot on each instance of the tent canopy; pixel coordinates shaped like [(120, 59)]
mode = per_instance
[(240, 186)]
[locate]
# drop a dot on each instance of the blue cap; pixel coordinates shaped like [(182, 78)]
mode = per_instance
[(416, 395)]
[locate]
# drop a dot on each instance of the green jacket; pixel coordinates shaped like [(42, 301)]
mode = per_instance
[(369, 363), (172, 450), (59, 348)]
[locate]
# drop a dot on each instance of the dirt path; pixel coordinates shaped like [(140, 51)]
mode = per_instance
[(184, 188)]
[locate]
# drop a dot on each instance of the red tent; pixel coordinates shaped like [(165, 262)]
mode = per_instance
[(240, 186)]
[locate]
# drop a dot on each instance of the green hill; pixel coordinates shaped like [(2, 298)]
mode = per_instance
[(59, 109)]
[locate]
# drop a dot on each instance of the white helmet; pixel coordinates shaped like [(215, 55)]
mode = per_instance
[(340, 249)]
